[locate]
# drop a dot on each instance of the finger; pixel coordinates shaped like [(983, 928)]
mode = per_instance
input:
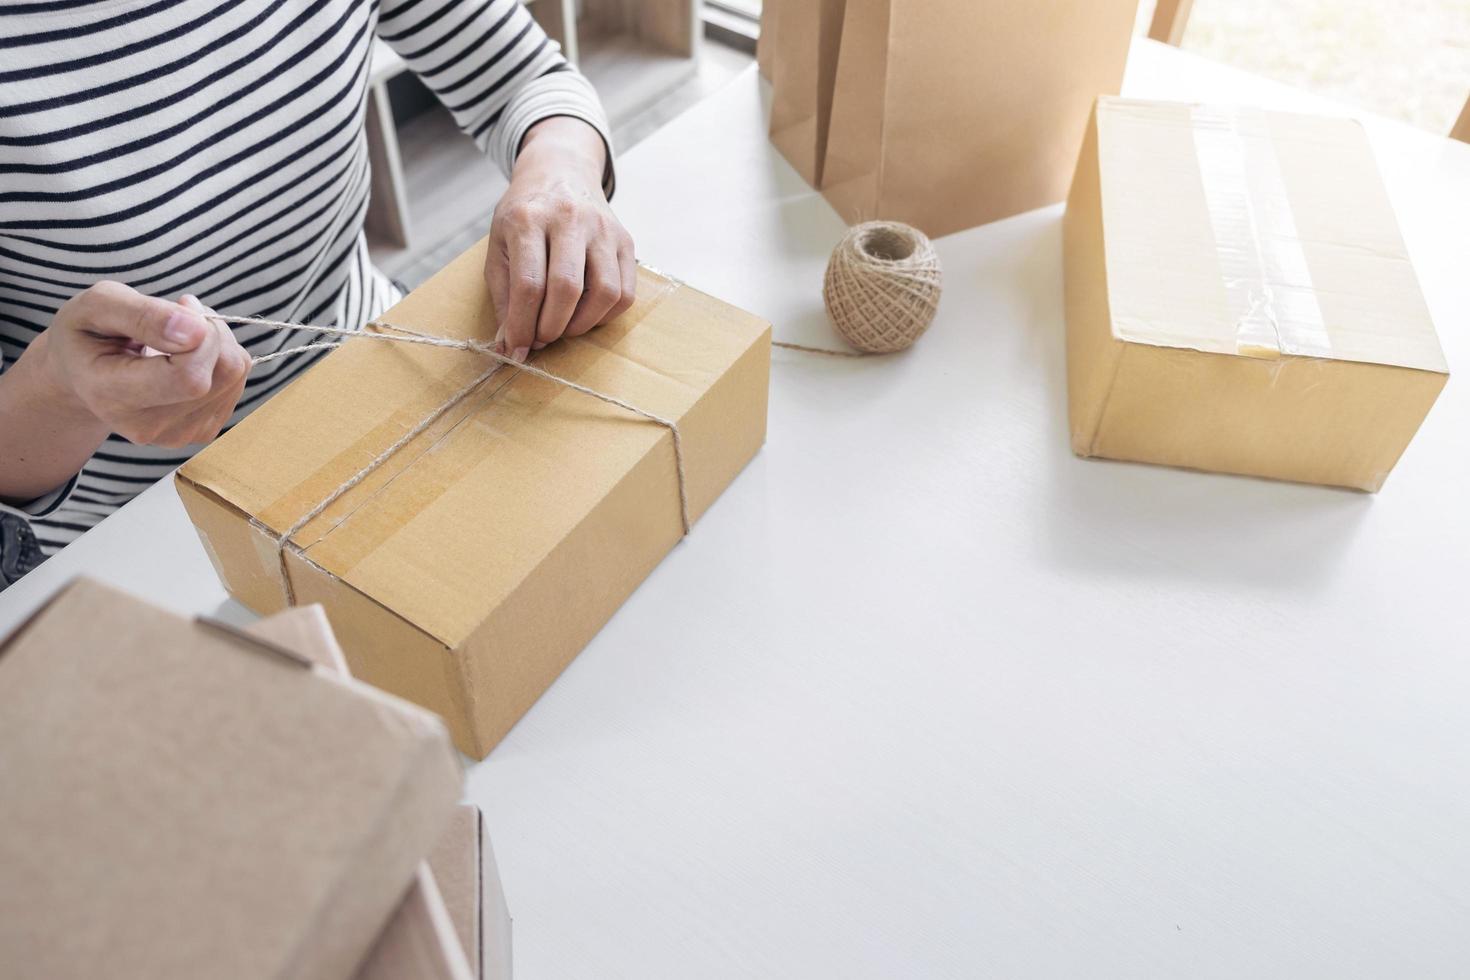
[(233, 389), (129, 381), (497, 280), (231, 369), (566, 272), (628, 271), (195, 368), (112, 309), (602, 290), (526, 291), (233, 362), (203, 421)]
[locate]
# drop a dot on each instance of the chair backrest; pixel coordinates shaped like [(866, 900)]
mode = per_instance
[(1170, 19)]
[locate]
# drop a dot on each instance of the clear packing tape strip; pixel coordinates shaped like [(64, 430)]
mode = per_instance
[(1267, 283)]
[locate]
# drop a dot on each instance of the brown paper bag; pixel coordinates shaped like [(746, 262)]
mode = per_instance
[(802, 61), (765, 45), (951, 113)]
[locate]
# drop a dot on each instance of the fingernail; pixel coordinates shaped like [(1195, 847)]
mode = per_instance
[(180, 328), (520, 354), (538, 345), (190, 300)]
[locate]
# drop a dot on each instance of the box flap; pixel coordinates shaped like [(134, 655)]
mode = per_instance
[(178, 805), (419, 941), (464, 865), (528, 457), (1267, 234)]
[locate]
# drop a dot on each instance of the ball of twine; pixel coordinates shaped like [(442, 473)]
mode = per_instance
[(882, 286)]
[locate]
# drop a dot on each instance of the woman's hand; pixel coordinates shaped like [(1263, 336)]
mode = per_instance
[(152, 371), (114, 360), (559, 262)]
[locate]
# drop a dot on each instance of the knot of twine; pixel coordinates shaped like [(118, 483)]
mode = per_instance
[(882, 286), (405, 335)]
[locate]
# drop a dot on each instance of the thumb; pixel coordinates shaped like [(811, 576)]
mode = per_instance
[(497, 279), (113, 309)]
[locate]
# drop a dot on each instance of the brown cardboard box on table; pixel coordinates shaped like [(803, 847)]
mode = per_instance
[(467, 571), (1239, 298), (453, 924), (181, 800)]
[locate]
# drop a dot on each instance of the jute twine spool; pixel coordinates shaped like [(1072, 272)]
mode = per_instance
[(882, 286)]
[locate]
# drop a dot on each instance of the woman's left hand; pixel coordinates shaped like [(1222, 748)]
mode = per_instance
[(559, 262)]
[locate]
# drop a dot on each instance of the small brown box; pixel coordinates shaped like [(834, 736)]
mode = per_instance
[(182, 800)]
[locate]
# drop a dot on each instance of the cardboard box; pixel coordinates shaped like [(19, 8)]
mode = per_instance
[(182, 800), (419, 941), (453, 923), (468, 571), (1239, 298), (464, 865)]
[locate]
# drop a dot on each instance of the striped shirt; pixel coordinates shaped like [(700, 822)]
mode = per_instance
[(218, 149)]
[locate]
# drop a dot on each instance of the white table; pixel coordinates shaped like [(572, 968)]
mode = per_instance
[(926, 696)]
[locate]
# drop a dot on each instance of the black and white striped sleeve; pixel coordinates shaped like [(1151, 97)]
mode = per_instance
[(494, 68)]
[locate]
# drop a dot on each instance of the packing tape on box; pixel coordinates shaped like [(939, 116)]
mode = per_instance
[(1268, 285), (392, 333)]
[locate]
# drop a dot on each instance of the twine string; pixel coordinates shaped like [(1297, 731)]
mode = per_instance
[(819, 350), (406, 335)]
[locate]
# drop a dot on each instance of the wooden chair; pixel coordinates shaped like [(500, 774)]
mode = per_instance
[(1170, 19)]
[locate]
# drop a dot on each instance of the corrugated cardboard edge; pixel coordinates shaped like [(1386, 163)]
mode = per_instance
[(496, 925), (419, 938), (1094, 354), (464, 862)]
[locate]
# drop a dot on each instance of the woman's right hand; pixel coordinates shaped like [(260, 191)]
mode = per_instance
[(152, 371)]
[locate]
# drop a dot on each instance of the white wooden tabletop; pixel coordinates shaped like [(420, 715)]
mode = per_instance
[(924, 695)]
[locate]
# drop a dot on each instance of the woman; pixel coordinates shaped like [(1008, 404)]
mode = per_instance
[(164, 159)]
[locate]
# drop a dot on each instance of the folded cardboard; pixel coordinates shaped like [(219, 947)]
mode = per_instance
[(770, 27), (181, 800), (947, 114), (419, 940), (467, 571), (464, 865), (454, 923), (1239, 298), (802, 55)]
